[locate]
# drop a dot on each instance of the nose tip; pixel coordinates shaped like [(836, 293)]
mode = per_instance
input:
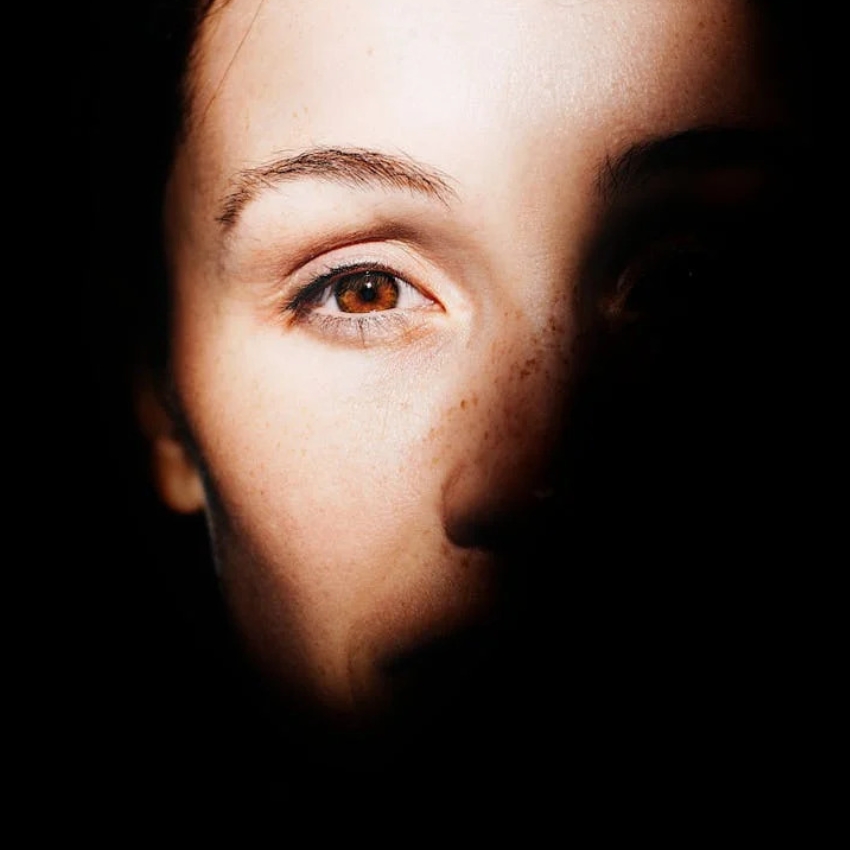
[(493, 504), (504, 526)]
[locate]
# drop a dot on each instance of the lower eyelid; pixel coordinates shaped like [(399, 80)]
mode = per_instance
[(359, 328)]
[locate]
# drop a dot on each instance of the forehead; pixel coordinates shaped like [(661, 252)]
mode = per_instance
[(386, 69)]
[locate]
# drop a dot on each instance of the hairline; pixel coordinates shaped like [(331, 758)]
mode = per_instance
[(204, 9)]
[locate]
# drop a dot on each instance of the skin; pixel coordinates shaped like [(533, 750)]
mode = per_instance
[(353, 478)]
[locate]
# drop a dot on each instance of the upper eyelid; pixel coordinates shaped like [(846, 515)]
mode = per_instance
[(355, 256), (361, 245), (431, 256), (627, 232), (398, 260), (355, 268)]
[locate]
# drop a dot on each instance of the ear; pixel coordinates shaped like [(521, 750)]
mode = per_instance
[(175, 474)]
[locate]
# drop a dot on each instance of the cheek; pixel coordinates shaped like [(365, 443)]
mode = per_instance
[(303, 438), (324, 491)]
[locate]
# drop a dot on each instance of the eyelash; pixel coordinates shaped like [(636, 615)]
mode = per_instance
[(350, 327)]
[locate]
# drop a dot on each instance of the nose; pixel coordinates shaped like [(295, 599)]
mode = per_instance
[(508, 435)]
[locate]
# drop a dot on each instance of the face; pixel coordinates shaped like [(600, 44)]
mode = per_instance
[(379, 227)]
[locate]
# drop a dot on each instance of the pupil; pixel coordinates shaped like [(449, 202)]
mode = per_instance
[(671, 286), (368, 291)]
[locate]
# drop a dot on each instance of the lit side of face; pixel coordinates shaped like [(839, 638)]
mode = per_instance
[(376, 226)]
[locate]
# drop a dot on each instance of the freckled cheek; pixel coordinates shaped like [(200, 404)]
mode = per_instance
[(522, 372)]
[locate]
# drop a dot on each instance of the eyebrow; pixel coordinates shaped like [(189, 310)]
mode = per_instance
[(692, 151), (355, 167)]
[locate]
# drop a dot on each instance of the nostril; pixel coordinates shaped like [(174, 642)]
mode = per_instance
[(543, 494)]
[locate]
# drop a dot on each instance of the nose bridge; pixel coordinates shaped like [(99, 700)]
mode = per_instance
[(508, 430)]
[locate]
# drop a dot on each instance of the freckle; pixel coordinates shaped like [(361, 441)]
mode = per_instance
[(369, 51), (463, 404)]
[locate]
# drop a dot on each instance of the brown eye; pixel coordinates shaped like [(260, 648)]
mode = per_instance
[(366, 292), (670, 278)]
